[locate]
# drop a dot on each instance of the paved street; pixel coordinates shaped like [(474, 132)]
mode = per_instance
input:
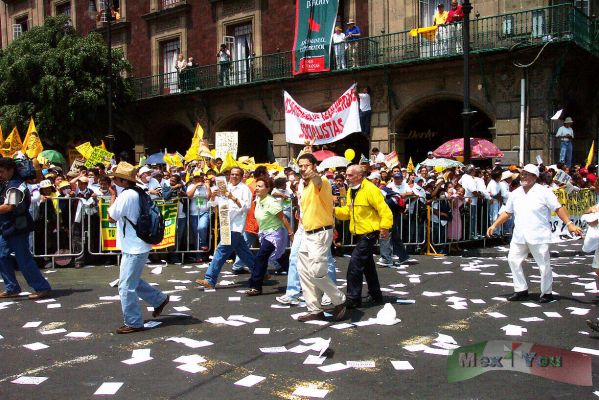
[(76, 367)]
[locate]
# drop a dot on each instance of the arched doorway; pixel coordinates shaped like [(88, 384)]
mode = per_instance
[(254, 138), (173, 137), (431, 123)]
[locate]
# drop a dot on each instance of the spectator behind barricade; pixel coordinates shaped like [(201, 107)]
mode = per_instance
[(148, 183), (392, 249), (385, 177), (494, 191), (86, 220), (178, 190), (101, 168), (375, 178), (284, 196), (454, 229), (199, 193)]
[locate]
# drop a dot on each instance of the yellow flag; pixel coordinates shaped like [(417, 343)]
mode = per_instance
[(1, 136), (85, 149), (591, 155), (32, 145), (12, 144), (102, 145), (410, 166), (194, 150), (228, 163)]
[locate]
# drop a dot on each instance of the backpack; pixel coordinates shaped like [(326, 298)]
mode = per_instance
[(150, 224)]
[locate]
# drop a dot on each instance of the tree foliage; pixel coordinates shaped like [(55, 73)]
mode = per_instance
[(59, 77)]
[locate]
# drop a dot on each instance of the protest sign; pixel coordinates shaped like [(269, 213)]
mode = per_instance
[(340, 120), (98, 155), (575, 203), (226, 142), (169, 210)]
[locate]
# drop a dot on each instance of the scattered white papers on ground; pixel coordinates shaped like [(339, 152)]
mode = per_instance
[(108, 388), (36, 346), (310, 391), (250, 380), (190, 342), (29, 380), (402, 365)]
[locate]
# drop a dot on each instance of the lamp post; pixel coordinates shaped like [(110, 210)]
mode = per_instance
[(466, 112), (106, 10)]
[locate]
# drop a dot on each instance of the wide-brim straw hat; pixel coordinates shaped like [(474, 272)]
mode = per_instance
[(124, 170)]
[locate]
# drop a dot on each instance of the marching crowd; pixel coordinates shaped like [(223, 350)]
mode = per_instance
[(268, 209)]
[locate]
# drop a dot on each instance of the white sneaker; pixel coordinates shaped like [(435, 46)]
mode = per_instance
[(287, 300), (395, 257), (326, 301), (384, 263)]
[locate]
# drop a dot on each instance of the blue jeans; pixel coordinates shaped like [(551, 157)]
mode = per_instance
[(131, 286), (565, 152), (199, 228), (293, 281), (223, 251), (19, 244), (393, 246), (250, 239), (181, 230)]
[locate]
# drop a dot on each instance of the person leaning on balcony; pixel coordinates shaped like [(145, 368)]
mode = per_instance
[(455, 17), (339, 47), (224, 62), (439, 20), (181, 70), (352, 34)]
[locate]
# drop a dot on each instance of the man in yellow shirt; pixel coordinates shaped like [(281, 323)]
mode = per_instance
[(316, 204), (368, 216), (440, 20)]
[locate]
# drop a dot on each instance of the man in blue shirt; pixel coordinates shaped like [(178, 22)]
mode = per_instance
[(352, 34)]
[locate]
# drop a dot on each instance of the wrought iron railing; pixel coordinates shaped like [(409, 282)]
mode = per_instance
[(496, 33)]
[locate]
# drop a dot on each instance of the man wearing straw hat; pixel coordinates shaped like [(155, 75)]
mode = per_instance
[(125, 210)]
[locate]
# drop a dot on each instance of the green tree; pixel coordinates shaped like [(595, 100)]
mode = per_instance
[(59, 77)]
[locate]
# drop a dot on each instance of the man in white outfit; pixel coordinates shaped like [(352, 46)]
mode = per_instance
[(532, 204)]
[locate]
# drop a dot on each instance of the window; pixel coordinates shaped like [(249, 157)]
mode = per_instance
[(116, 10), (169, 51), (428, 8), (64, 9), (171, 3), (20, 26), (239, 42)]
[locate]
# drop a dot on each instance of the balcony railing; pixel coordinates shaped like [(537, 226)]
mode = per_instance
[(497, 33)]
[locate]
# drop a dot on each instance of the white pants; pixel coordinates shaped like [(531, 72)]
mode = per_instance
[(540, 252), (312, 265)]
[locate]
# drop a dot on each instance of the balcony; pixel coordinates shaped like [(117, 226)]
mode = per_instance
[(562, 23)]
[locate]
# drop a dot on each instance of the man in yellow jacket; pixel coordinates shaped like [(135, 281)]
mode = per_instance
[(368, 216)]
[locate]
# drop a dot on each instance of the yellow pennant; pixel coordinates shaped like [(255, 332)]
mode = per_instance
[(410, 166), (591, 155), (32, 145), (12, 144)]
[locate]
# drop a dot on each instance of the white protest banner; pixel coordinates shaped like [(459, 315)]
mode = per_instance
[(226, 142), (340, 120)]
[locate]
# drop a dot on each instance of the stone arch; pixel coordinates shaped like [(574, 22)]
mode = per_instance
[(429, 121), (255, 136)]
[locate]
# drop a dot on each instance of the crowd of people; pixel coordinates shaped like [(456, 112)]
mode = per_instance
[(268, 209)]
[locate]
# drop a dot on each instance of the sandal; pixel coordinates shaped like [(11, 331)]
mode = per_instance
[(253, 292)]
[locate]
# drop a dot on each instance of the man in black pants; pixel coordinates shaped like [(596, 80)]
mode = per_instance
[(368, 216)]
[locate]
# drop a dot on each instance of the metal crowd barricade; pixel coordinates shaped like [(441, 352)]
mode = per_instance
[(57, 237), (452, 221)]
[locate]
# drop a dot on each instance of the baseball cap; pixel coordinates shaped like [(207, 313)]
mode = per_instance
[(397, 176), (531, 168), (45, 184), (506, 175), (374, 175), (418, 179), (144, 170)]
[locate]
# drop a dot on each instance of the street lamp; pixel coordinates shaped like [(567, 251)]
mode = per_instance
[(106, 17), (466, 112)]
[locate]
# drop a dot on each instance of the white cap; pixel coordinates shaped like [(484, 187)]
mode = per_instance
[(533, 169), (374, 175), (144, 169), (506, 175)]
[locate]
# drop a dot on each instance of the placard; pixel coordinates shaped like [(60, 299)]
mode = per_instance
[(226, 142)]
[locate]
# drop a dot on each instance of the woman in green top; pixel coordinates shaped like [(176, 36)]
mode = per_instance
[(274, 233)]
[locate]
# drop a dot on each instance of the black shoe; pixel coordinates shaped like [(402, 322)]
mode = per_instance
[(350, 304), (594, 325), (374, 301), (519, 296), (546, 298)]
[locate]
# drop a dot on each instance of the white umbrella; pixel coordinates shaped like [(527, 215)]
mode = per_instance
[(333, 162)]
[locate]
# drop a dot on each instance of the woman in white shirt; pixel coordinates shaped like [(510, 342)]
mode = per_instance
[(339, 46)]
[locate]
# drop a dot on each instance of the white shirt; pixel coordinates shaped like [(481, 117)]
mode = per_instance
[(504, 189), (481, 187), (469, 185), (237, 214), (338, 37), (379, 158), (364, 102), (199, 202), (564, 132), (532, 214), (403, 188), (127, 205)]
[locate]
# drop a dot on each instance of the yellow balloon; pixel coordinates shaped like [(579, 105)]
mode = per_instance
[(349, 154), (213, 152)]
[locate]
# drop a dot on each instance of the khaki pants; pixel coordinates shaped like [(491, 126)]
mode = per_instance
[(312, 268)]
